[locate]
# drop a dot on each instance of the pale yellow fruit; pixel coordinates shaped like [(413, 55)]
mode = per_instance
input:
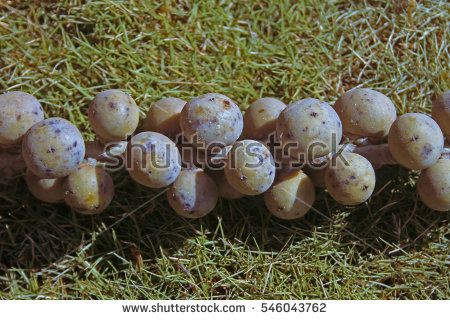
[(89, 189), (250, 167), (164, 117), (291, 195), (350, 180), (260, 118), (415, 141), (153, 160), (18, 112), (365, 113), (433, 186), (211, 118), (309, 128), (193, 194), (53, 148), (113, 115)]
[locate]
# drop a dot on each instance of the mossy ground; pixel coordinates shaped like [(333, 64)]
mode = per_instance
[(65, 52)]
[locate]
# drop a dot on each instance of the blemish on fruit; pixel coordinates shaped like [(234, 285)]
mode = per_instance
[(427, 149), (226, 104)]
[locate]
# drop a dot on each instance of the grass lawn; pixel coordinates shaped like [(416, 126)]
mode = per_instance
[(65, 52)]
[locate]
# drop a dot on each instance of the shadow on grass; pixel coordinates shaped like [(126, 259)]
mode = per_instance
[(35, 235)]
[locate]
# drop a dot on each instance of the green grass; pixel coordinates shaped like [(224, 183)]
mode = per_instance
[(65, 52)]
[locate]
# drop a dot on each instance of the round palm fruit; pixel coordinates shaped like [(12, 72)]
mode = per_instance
[(260, 118), (226, 191), (291, 195), (441, 112), (415, 141), (193, 194), (250, 167), (433, 186), (350, 179), (89, 189), (153, 160), (164, 117), (47, 190), (113, 115), (211, 118), (309, 128), (365, 113), (18, 112), (53, 148)]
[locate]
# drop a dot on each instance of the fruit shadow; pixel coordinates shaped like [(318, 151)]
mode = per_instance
[(392, 220), (140, 225)]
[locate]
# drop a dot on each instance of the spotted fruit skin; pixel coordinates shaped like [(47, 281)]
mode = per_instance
[(53, 148), (291, 196), (89, 189), (19, 111), (415, 141), (433, 186), (211, 118), (350, 180), (250, 167), (113, 115), (47, 190), (260, 118), (153, 160), (365, 113), (193, 194), (310, 127), (164, 117)]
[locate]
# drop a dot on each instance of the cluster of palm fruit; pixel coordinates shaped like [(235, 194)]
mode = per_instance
[(204, 149)]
